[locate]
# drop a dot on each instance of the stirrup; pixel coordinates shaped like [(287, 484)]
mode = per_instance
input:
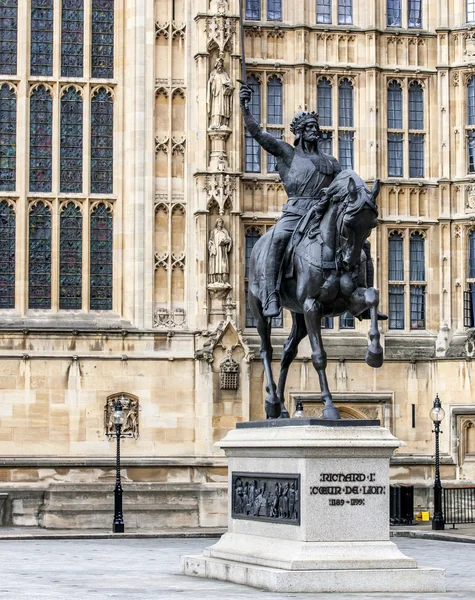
[(271, 306)]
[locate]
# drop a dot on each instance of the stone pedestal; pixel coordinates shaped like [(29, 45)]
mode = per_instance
[(309, 512)]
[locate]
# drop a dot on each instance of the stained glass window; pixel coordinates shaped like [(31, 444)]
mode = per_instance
[(103, 39), (416, 106), (7, 138), (345, 12), (42, 37), (71, 142), (41, 132), (102, 146), (39, 257), (394, 13), (7, 255), (72, 38), (470, 11), (394, 106), (274, 10), (416, 155), (324, 11), (395, 155), (324, 103), (253, 10), (70, 258), (415, 13), (8, 36), (252, 148), (101, 258), (345, 104)]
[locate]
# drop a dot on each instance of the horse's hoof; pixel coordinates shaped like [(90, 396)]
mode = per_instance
[(331, 412), (374, 359), (272, 408)]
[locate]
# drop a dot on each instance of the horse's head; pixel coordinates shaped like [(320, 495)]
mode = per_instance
[(358, 216)]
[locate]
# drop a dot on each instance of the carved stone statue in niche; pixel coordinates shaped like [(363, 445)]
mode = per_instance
[(220, 94), (219, 6), (219, 247)]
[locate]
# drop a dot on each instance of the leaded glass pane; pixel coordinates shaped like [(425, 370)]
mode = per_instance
[(324, 11), (416, 106), (327, 323), (417, 260), (470, 11), (252, 148), (324, 103), (71, 142), (396, 307), (274, 10), (471, 101), (70, 258), (274, 101), (347, 321), (7, 139), (394, 13), (41, 37), (101, 259), (39, 257), (395, 164), (346, 149), (103, 39), (471, 258), (416, 155), (394, 106), (253, 10), (345, 12), (252, 235), (102, 142), (271, 159), (72, 38), (396, 258), (415, 13), (418, 309), (41, 133), (255, 103), (8, 36), (326, 142), (7, 255), (345, 104)]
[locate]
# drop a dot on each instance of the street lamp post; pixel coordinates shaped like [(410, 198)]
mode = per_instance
[(118, 419), (437, 414)]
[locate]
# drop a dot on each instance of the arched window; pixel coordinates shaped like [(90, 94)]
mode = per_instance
[(394, 106), (274, 10), (100, 249), (471, 101), (253, 150), (252, 235), (394, 13), (70, 258), (41, 133), (41, 37), (72, 38), (253, 10), (8, 36), (345, 12), (39, 257), (102, 142), (414, 10), (7, 139), (417, 274), (71, 142), (103, 39), (417, 257), (396, 258), (396, 274), (470, 11), (324, 11), (395, 140), (324, 102), (274, 115), (469, 294), (345, 104), (7, 255), (416, 106)]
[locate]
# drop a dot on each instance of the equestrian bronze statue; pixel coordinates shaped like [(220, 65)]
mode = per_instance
[(316, 260)]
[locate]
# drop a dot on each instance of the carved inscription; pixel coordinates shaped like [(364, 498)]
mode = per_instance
[(349, 488), (270, 497)]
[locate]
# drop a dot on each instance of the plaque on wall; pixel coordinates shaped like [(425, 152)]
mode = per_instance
[(266, 497)]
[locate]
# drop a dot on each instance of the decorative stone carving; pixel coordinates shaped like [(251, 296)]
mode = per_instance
[(219, 190), (213, 340), (470, 199), (219, 247), (220, 94), (229, 373), (259, 497), (219, 32), (130, 406), (219, 6), (169, 319)]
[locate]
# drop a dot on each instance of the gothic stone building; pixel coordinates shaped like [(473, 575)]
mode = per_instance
[(131, 197)]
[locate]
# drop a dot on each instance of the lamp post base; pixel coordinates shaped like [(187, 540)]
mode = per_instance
[(118, 527), (438, 524)]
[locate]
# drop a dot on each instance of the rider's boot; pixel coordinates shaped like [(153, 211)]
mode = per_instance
[(271, 307)]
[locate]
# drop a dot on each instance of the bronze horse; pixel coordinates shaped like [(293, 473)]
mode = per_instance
[(336, 241)]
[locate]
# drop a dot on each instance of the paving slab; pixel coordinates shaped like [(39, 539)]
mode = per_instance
[(146, 569)]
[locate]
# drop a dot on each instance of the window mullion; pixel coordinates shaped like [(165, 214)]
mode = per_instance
[(55, 256), (86, 271)]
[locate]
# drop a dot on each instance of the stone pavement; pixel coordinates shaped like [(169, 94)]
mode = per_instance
[(146, 569)]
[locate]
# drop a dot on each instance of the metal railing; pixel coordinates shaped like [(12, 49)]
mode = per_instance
[(458, 505)]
